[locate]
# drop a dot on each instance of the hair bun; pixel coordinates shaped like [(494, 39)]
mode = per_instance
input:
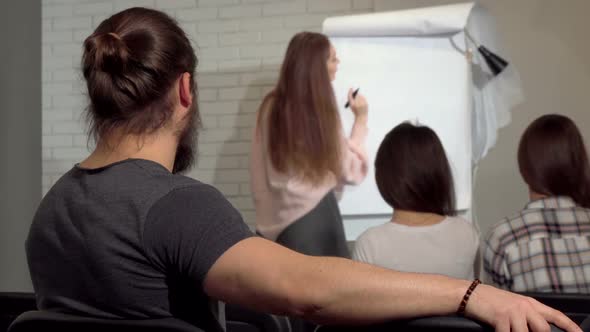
[(109, 52)]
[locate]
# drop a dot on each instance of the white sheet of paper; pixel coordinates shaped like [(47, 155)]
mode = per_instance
[(427, 21), (409, 66), (407, 78)]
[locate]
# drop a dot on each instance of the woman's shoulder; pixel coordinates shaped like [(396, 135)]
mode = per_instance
[(458, 220), (267, 101), (374, 232), (369, 243), (263, 112), (462, 226)]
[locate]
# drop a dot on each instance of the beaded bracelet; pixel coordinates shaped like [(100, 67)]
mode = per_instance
[(463, 305)]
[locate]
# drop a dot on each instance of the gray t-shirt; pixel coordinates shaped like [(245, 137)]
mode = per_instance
[(130, 240), (449, 247)]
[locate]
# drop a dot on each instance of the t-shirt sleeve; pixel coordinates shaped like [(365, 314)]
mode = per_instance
[(187, 230), (494, 261), (361, 252)]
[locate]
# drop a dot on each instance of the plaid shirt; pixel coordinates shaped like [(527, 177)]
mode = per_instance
[(544, 248)]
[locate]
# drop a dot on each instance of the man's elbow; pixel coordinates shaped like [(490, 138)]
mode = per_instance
[(302, 298)]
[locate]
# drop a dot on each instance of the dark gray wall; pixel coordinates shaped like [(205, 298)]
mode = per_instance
[(20, 136)]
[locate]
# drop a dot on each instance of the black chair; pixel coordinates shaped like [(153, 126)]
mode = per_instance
[(426, 324), (233, 326), (13, 304), (575, 306), (32, 321), (239, 319)]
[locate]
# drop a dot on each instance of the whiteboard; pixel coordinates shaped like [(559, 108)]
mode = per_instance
[(422, 78)]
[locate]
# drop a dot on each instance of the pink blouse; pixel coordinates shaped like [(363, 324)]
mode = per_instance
[(281, 199)]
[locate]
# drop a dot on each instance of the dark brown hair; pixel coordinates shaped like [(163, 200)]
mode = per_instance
[(553, 160), (413, 173), (303, 121), (130, 63)]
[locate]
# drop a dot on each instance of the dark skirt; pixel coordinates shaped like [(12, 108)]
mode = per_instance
[(318, 233)]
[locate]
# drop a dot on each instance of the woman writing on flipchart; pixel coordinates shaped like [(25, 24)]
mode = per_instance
[(300, 157)]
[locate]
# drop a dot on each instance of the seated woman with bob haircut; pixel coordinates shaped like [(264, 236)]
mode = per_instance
[(424, 235)]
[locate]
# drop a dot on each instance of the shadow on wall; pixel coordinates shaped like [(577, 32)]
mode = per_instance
[(229, 100)]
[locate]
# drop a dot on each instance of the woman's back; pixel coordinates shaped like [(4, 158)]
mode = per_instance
[(300, 157), (449, 247)]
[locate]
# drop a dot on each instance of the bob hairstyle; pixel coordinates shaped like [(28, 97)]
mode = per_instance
[(413, 173), (552, 159)]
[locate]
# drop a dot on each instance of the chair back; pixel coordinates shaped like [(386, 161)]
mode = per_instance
[(37, 321), (240, 319), (575, 306), (13, 304), (425, 324)]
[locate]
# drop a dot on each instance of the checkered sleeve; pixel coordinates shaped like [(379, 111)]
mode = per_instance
[(494, 257)]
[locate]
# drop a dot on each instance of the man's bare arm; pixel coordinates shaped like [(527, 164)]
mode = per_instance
[(264, 276)]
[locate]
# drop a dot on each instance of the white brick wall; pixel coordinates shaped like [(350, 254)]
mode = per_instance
[(240, 45)]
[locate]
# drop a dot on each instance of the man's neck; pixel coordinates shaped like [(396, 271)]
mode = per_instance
[(158, 147)]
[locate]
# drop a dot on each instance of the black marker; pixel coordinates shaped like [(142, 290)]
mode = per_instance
[(353, 95)]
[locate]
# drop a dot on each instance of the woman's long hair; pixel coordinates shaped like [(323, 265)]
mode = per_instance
[(553, 160), (303, 124)]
